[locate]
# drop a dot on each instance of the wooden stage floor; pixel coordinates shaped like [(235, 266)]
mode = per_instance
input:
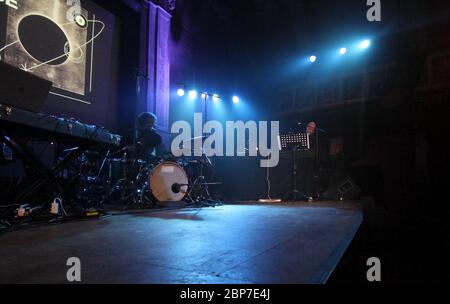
[(233, 243)]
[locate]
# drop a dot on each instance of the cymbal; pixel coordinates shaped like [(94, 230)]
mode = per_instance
[(193, 150), (194, 138), (162, 131)]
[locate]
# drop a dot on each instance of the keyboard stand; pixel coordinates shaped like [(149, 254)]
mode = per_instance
[(43, 177)]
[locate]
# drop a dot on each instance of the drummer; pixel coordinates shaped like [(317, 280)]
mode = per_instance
[(146, 138)]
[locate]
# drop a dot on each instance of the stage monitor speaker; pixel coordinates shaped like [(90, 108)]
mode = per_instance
[(346, 189)]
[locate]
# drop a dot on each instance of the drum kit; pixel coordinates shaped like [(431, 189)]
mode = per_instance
[(156, 180)]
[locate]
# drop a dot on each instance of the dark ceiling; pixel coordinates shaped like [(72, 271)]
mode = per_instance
[(251, 39), (260, 31)]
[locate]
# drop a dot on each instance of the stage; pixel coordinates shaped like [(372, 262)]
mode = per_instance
[(233, 243)]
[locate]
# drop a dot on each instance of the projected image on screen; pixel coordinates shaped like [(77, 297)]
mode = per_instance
[(43, 38)]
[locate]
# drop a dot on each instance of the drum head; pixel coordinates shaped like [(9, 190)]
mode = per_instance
[(162, 179)]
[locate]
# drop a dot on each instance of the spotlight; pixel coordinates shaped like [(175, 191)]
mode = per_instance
[(216, 98), (235, 99), (312, 59), (365, 44), (343, 51), (181, 92), (80, 20), (204, 96), (192, 94)]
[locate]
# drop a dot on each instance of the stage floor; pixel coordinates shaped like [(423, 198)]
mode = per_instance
[(234, 243)]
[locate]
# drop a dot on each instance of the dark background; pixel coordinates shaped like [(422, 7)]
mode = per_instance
[(395, 134)]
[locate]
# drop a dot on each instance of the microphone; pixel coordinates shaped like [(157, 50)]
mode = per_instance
[(176, 188)]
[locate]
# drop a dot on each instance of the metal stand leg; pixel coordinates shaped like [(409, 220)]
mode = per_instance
[(45, 177), (295, 192)]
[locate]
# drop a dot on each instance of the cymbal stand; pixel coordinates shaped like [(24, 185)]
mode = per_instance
[(199, 188)]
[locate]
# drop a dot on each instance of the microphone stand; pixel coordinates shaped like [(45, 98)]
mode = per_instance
[(316, 166), (200, 185), (316, 159)]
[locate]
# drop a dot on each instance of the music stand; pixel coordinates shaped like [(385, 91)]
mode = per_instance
[(295, 142)]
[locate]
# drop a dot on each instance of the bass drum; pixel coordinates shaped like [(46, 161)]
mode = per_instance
[(162, 180)]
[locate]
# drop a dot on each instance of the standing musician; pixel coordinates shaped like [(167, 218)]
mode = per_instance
[(146, 139)]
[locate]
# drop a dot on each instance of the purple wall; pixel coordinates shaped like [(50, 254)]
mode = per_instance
[(162, 68), (154, 87)]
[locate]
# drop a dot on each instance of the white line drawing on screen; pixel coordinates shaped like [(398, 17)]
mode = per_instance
[(7, 46), (11, 3), (55, 40), (92, 55), (67, 51), (68, 97)]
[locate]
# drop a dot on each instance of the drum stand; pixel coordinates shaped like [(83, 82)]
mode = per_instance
[(202, 195), (131, 189), (200, 186), (141, 184), (199, 189)]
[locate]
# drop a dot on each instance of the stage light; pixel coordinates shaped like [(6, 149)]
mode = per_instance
[(216, 98), (343, 51), (192, 94), (235, 99), (181, 92), (312, 59), (365, 44)]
